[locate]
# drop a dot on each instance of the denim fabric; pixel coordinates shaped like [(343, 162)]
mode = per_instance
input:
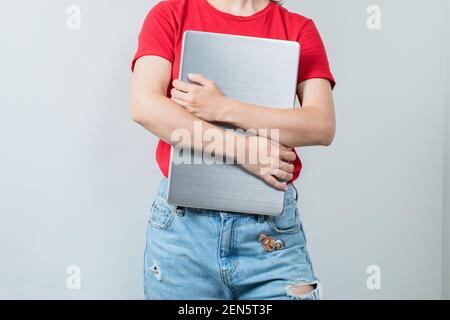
[(205, 254)]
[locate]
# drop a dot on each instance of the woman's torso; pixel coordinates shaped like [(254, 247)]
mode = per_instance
[(273, 22)]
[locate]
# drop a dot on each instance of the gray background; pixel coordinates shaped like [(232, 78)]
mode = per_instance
[(77, 176)]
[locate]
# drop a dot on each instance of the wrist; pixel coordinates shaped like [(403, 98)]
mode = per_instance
[(226, 108)]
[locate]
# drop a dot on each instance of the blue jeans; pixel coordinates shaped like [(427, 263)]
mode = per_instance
[(205, 254)]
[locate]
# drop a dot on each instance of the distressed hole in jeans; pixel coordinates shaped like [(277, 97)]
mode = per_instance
[(156, 272), (303, 290)]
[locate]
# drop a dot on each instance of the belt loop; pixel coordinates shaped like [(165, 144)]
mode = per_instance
[(179, 211), (261, 218)]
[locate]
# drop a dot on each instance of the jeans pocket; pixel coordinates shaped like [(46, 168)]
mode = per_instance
[(286, 223), (161, 213)]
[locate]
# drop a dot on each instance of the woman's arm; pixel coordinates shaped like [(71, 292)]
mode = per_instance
[(152, 109), (313, 124), (158, 114)]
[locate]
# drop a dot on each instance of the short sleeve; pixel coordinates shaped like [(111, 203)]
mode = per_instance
[(157, 36), (313, 57)]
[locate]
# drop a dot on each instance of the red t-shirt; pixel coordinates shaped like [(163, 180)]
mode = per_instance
[(162, 35)]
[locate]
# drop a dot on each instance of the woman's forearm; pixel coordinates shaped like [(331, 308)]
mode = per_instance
[(176, 126), (306, 126), (313, 124), (171, 122)]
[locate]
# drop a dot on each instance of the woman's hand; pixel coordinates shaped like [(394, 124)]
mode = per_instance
[(273, 163), (204, 99)]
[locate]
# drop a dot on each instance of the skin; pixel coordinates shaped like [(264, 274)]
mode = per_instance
[(313, 124)]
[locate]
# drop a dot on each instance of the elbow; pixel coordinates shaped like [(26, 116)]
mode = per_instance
[(143, 118), (327, 133), (144, 110), (139, 113), (136, 114), (135, 109), (144, 114)]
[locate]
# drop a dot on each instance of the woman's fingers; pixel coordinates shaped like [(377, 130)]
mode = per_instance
[(198, 78), (287, 155), (287, 167), (283, 175), (285, 148), (181, 103), (180, 95), (275, 183), (183, 86)]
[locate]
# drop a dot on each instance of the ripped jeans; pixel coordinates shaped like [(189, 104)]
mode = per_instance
[(201, 254)]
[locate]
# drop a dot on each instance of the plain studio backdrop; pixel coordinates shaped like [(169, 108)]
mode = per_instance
[(77, 176)]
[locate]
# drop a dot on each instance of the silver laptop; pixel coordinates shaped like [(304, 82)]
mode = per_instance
[(253, 70)]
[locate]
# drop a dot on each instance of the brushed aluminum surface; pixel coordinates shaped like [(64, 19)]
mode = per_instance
[(253, 70)]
